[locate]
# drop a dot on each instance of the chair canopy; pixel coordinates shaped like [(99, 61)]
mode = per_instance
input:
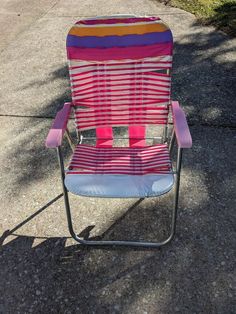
[(118, 71)]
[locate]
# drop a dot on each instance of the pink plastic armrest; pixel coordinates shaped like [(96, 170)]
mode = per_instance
[(56, 133), (181, 128)]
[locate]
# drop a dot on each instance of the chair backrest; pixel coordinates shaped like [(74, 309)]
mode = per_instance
[(119, 72)]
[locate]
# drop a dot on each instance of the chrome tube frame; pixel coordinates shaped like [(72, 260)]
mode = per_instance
[(172, 141), (121, 243), (69, 139), (165, 131)]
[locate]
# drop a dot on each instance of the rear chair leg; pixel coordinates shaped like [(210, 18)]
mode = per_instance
[(122, 243)]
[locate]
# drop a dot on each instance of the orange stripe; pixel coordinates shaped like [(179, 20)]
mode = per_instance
[(117, 30)]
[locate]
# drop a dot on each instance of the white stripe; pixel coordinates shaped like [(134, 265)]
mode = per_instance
[(94, 88), (109, 64), (133, 67), (123, 157), (120, 163), (123, 104), (89, 127), (123, 111), (111, 94), (108, 98), (89, 159), (98, 73), (151, 74), (120, 80), (97, 120), (78, 62)]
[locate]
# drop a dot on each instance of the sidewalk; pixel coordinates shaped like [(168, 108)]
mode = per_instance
[(42, 270)]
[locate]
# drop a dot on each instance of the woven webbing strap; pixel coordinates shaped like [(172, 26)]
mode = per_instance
[(120, 160), (118, 71)]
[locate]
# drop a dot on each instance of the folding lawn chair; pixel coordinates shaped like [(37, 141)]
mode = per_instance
[(120, 77)]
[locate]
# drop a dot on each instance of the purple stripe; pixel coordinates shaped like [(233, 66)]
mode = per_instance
[(118, 41)]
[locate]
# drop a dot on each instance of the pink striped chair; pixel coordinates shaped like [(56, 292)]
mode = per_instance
[(120, 77)]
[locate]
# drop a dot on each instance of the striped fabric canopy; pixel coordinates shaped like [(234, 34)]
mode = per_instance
[(118, 71)]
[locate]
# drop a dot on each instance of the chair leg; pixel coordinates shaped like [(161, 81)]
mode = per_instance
[(172, 141), (122, 243)]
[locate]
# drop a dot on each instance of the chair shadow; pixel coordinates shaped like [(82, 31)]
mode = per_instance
[(54, 278)]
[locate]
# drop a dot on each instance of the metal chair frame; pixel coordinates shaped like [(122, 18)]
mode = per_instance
[(180, 132), (142, 244)]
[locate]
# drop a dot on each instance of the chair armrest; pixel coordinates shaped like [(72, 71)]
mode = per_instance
[(58, 128), (181, 128)]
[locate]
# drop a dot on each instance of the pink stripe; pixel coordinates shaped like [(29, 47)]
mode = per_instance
[(115, 97), (110, 91), (138, 52), (131, 83), (104, 161), (119, 149), (97, 119), (153, 171), (124, 154), (137, 84), (104, 137), (137, 136), (91, 163), (120, 160), (119, 119), (131, 88), (143, 74), (150, 147), (131, 109), (125, 105), (118, 20), (131, 99), (119, 123), (112, 151)]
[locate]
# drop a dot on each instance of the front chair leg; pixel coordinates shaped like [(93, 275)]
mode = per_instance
[(121, 243)]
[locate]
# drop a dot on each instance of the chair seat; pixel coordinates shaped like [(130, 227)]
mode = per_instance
[(119, 185), (120, 171)]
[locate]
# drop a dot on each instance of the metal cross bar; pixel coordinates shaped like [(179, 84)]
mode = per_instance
[(121, 138)]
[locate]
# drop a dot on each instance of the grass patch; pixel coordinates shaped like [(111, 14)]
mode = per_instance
[(220, 13)]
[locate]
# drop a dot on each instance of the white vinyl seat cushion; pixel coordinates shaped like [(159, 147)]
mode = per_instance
[(120, 186)]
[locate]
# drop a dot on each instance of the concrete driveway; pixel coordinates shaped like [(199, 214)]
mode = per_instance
[(42, 269)]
